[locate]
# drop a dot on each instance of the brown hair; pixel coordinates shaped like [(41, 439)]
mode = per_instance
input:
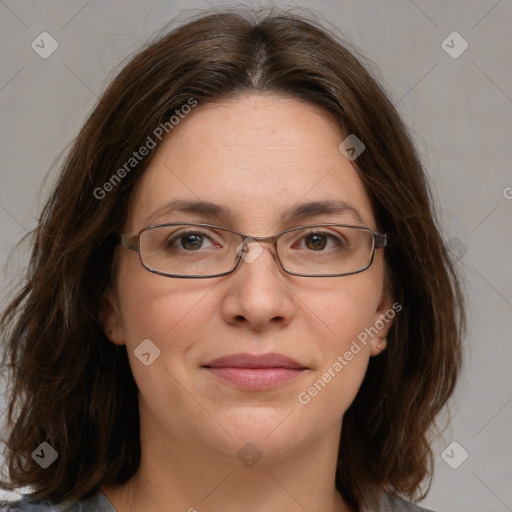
[(73, 388)]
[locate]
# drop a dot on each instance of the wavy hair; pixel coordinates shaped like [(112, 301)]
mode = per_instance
[(71, 387)]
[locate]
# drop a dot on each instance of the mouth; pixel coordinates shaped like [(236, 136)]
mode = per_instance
[(255, 372)]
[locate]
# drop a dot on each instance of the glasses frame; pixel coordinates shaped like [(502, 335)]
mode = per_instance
[(132, 242)]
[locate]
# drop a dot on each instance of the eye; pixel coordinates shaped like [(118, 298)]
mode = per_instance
[(318, 242), (190, 241)]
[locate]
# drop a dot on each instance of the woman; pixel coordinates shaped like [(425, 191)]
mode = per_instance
[(238, 294)]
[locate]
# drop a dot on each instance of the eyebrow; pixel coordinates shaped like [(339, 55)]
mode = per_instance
[(219, 212)]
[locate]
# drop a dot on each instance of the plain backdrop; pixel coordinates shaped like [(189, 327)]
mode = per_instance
[(457, 102)]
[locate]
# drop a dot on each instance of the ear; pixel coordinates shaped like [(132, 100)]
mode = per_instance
[(383, 320), (111, 319)]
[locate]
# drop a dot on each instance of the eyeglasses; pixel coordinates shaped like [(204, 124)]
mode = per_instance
[(206, 250)]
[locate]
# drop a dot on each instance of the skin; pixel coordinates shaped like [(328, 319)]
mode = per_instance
[(257, 155)]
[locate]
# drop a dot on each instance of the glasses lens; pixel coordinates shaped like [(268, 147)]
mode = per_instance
[(324, 250), (189, 250)]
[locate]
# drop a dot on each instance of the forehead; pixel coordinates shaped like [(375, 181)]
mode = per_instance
[(257, 156)]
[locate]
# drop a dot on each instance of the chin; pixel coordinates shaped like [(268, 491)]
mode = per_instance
[(269, 433)]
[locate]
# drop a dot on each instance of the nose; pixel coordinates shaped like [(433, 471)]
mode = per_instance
[(258, 292)]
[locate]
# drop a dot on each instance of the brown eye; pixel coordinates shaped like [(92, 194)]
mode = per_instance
[(191, 241), (316, 241)]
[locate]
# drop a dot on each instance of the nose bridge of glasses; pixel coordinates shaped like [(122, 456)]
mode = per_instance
[(249, 254), (267, 240)]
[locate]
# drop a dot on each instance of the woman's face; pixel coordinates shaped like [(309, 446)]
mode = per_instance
[(256, 157)]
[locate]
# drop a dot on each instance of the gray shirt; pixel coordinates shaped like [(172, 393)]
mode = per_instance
[(98, 502)]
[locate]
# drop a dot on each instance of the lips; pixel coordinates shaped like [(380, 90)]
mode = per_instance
[(255, 372), (270, 360)]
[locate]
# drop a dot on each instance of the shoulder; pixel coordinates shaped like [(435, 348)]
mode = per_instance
[(393, 503), (381, 501), (26, 505), (96, 502)]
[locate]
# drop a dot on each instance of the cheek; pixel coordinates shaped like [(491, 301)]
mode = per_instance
[(345, 307), (171, 314), (158, 308), (342, 314)]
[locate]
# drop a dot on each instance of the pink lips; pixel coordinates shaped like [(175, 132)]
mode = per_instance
[(255, 372)]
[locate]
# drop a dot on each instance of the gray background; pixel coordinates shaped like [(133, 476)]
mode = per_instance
[(459, 111)]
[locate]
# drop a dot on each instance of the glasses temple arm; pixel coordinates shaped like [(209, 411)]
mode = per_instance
[(381, 240), (129, 242)]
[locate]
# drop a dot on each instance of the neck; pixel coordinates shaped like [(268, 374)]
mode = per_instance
[(174, 476)]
